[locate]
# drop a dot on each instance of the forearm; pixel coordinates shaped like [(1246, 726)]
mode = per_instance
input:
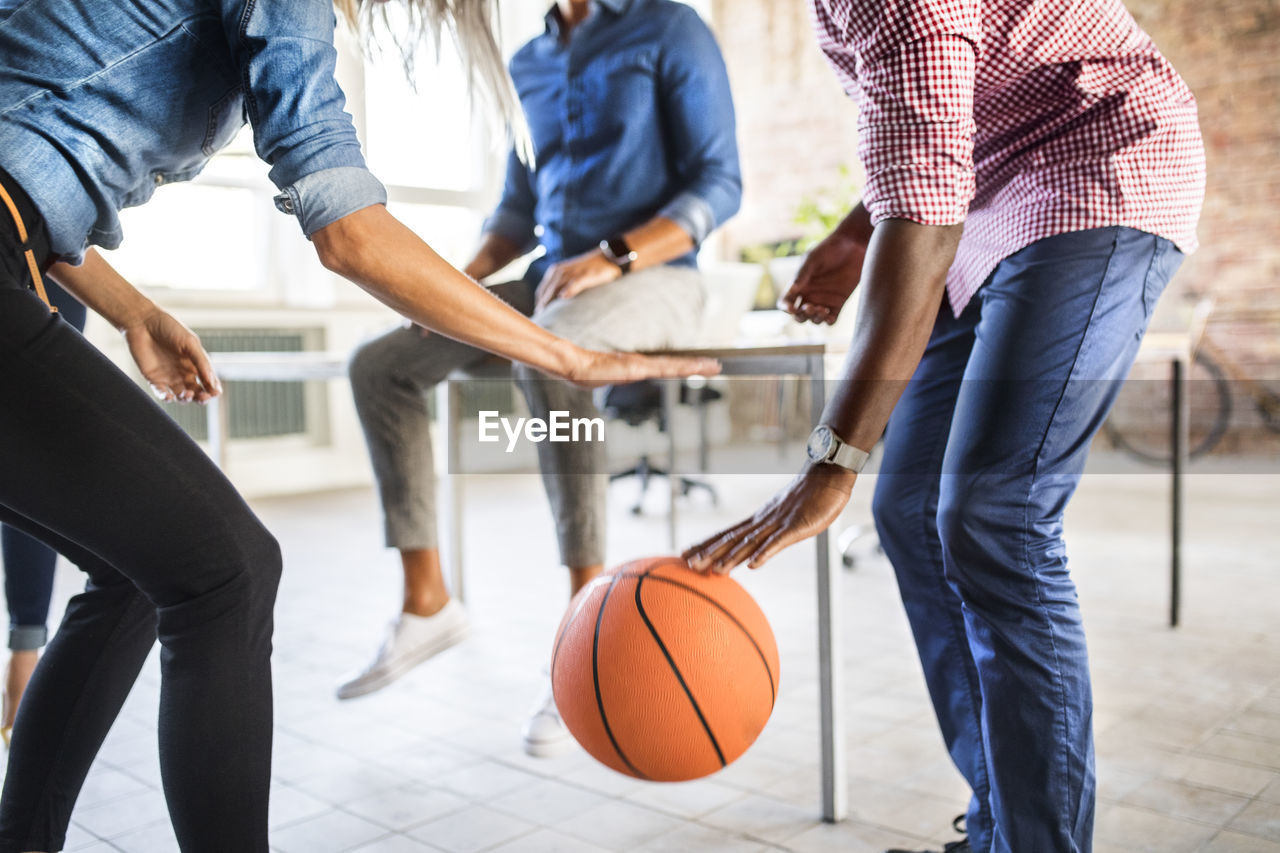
[(374, 250), (657, 241), (494, 253), (103, 290), (857, 225), (904, 278)]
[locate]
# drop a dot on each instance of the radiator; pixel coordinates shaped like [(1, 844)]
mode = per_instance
[(257, 409)]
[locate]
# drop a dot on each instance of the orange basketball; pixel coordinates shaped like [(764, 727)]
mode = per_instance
[(663, 673)]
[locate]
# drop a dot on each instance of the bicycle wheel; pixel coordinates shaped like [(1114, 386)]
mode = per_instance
[(1139, 423)]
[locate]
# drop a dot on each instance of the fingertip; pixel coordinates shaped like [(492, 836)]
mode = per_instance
[(768, 551)]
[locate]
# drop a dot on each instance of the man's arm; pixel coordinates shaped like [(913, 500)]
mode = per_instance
[(494, 253), (904, 279), (697, 109), (916, 141), (654, 243), (831, 271), (509, 232)]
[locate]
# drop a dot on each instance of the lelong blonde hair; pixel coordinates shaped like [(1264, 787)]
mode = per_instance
[(472, 24)]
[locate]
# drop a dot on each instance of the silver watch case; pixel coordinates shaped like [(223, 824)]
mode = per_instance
[(825, 446)]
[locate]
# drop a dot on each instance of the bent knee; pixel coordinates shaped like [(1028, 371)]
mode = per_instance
[(370, 365), (982, 524), (257, 555), (977, 511)]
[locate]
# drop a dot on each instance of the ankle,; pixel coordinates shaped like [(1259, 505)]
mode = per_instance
[(426, 605), (18, 672), (583, 575)]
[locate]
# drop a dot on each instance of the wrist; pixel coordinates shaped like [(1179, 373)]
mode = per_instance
[(480, 267), (565, 358), (856, 227), (850, 235), (135, 316), (618, 252), (829, 476), (607, 263)]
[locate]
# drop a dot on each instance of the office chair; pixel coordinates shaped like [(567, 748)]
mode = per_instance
[(637, 403)]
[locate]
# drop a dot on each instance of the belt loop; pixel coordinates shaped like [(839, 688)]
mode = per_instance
[(32, 266)]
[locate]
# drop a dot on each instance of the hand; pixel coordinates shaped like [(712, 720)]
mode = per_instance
[(826, 280), (591, 369), (171, 358), (568, 278), (805, 508)]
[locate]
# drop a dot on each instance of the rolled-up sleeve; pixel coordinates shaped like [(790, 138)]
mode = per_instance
[(698, 106), (911, 68), (514, 217), (297, 110), (321, 198)]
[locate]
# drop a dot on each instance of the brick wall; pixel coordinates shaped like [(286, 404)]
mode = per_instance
[(796, 128), (795, 125), (1229, 53)]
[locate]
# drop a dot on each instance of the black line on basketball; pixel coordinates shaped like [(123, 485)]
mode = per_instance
[(555, 652), (773, 690), (595, 674), (676, 670)]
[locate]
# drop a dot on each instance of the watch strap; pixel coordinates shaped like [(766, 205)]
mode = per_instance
[(616, 250), (848, 456)]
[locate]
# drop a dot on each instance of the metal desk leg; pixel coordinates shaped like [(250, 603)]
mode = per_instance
[(215, 414), (449, 406), (704, 443), (1178, 425), (671, 399), (830, 658)]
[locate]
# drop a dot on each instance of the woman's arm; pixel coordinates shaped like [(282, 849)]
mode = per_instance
[(97, 284), (168, 353), (373, 249)]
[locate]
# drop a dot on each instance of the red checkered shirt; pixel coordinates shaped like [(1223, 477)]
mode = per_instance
[(1021, 118)]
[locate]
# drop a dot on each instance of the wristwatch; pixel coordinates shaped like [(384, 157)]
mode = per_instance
[(825, 446), (616, 250)]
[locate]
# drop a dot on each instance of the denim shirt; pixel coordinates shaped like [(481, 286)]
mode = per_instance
[(101, 102), (630, 119)]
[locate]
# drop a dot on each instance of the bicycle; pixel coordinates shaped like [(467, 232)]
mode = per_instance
[(1211, 382)]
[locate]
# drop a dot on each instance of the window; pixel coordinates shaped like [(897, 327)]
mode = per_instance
[(441, 164), (222, 233)]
